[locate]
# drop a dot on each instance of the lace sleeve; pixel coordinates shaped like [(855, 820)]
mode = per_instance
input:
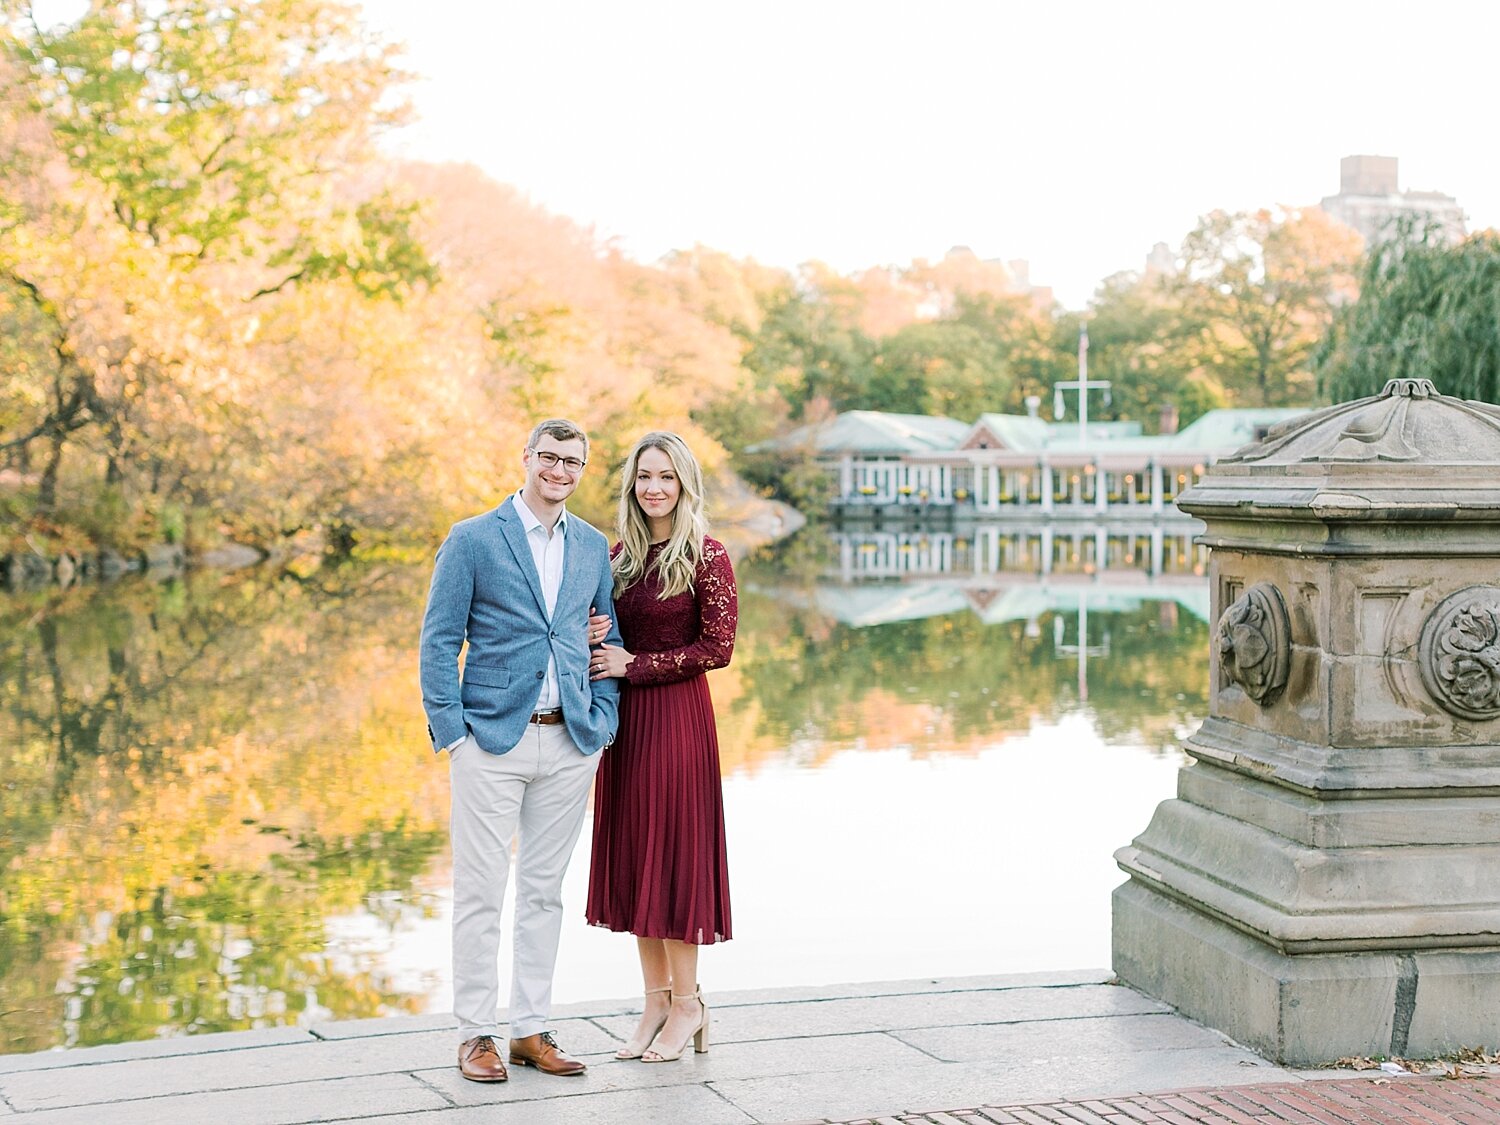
[(718, 618)]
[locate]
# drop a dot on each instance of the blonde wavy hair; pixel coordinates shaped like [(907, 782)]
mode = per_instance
[(677, 563)]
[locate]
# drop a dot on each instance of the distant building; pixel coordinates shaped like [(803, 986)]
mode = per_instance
[(969, 272), (1016, 465), (1369, 200), (1161, 262)]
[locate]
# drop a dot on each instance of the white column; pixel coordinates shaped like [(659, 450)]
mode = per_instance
[(846, 476), (1047, 547), (994, 475), (1101, 549), (1156, 545), (1046, 488), (1156, 500), (1101, 488)]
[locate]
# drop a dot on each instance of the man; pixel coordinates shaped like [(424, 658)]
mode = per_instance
[(523, 730)]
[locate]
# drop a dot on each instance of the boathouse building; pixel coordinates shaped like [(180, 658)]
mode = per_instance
[(1006, 464)]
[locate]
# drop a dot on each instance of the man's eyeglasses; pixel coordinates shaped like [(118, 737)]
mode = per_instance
[(552, 461)]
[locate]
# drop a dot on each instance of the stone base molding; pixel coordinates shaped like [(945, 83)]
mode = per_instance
[(1305, 1010)]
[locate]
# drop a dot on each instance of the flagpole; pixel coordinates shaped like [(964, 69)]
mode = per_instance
[(1083, 385)]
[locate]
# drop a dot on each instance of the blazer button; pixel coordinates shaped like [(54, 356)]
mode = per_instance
[(539, 675)]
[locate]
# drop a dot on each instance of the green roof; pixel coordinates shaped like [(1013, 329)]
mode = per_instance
[(877, 433), (1230, 429)]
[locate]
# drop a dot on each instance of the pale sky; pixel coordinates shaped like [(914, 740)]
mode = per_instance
[(868, 132)]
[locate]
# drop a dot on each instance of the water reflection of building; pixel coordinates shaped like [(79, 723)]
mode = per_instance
[(889, 465), (999, 574), (1119, 555), (1003, 574)]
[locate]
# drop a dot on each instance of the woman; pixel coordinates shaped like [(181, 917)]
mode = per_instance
[(659, 869)]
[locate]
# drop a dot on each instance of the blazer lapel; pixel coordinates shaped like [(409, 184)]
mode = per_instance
[(575, 577), (515, 536)]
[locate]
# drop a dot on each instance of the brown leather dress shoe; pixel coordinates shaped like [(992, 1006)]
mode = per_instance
[(542, 1052), (479, 1060)]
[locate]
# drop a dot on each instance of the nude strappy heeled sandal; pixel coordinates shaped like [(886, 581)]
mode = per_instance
[(699, 1038), (633, 1049)]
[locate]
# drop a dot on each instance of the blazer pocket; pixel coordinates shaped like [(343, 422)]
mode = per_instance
[(489, 677)]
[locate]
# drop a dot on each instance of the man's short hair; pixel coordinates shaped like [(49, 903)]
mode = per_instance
[(560, 429)]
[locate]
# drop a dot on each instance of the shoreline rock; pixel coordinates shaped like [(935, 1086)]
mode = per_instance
[(29, 570)]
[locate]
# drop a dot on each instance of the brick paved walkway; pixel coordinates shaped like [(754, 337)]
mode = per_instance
[(1360, 1101)]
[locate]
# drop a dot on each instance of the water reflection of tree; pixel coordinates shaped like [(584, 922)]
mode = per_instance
[(1154, 683), (813, 678), (196, 777)]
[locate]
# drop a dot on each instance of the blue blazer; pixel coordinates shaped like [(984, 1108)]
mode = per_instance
[(485, 589)]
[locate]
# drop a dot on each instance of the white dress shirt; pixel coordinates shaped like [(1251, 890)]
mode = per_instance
[(547, 552)]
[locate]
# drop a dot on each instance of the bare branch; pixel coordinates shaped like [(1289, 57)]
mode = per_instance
[(279, 286)]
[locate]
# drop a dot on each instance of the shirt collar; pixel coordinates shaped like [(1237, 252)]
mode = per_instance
[(531, 523)]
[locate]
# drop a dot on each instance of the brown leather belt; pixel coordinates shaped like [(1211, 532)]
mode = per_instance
[(547, 718)]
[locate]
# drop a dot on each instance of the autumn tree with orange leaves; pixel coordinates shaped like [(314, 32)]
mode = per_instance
[(1257, 293)]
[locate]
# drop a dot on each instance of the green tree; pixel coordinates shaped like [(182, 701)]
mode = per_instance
[(1139, 343), (941, 367), (1257, 293), (1037, 348), (808, 349), (1425, 310), (216, 125), (181, 164)]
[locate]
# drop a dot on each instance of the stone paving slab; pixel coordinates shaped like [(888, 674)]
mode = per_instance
[(862, 1093), (682, 1105), (156, 1048), (1043, 1043), (1365, 1101), (254, 1068), (305, 1060), (290, 1104), (383, 1025), (797, 993), (901, 1012), (723, 1062)]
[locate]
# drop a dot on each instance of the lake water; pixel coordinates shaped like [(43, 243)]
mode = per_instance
[(218, 809)]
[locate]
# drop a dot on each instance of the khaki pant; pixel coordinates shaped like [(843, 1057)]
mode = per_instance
[(539, 788)]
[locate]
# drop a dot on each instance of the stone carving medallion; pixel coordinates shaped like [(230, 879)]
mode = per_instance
[(1255, 643), (1459, 653)]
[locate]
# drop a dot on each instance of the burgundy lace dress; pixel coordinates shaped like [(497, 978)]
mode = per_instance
[(659, 866)]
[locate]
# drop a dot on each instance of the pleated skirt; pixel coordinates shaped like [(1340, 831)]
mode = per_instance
[(660, 866)]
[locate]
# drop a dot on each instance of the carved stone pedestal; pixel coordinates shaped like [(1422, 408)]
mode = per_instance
[(1327, 882)]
